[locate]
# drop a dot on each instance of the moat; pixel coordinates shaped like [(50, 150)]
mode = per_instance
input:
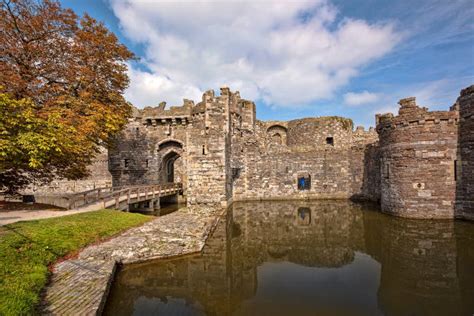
[(309, 257)]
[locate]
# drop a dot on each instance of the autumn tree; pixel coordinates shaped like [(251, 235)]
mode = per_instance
[(61, 82)]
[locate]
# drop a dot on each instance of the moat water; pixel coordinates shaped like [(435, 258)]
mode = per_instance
[(309, 258)]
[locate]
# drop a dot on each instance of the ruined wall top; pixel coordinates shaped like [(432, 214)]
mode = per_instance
[(236, 104), (412, 114)]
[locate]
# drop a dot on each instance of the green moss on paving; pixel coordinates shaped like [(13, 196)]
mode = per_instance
[(27, 248)]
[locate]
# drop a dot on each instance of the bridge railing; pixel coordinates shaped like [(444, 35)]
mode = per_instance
[(106, 194)]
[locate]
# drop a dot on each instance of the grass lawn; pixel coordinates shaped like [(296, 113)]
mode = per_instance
[(27, 248)]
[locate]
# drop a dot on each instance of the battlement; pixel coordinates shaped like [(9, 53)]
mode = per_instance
[(241, 110), (161, 111), (360, 136), (410, 114)]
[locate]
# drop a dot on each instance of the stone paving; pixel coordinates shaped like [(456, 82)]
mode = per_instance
[(80, 286)]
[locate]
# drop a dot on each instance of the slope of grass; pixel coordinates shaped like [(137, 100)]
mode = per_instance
[(28, 248)]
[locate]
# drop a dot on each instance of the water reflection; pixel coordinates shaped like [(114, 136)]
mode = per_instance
[(307, 258)]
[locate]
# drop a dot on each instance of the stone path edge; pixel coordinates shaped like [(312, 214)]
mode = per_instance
[(97, 304)]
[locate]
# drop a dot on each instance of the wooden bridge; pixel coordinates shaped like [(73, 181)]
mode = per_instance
[(121, 198)]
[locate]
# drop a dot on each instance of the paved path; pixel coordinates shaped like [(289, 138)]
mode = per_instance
[(8, 217), (80, 286)]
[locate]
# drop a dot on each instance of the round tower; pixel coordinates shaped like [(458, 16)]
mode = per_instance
[(418, 161), (320, 132)]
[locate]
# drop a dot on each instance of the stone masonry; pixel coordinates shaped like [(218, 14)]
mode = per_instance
[(99, 177), (465, 161), (418, 155), (417, 164)]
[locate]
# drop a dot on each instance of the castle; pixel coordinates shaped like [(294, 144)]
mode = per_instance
[(417, 164)]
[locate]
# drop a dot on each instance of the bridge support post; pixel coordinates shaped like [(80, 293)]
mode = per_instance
[(156, 205)]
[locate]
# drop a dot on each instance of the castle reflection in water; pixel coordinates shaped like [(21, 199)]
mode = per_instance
[(306, 258)]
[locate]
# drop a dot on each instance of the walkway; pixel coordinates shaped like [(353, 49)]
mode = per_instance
[(91, 200), (9, 217), (80, 286)]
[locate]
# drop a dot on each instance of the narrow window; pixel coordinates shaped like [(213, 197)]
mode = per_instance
[(455, 170), (330, 141), (137, 130), (387, 171), (203, 149), (146, 163), (126, 163)]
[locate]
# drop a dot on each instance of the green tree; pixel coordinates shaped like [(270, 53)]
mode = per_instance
[(62, 80)]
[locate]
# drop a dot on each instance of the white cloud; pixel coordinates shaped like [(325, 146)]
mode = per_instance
[(360, 98), (285, 53), (150, 89)]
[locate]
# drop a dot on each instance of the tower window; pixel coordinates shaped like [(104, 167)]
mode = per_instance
[(455, 170), (203, 149), (304, 182), (387, 171), (126, 163), (330, 141), (146, 163)]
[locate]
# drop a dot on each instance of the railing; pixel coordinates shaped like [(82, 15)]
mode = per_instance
[(108, 194)]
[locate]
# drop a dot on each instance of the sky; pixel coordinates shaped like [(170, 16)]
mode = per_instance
[(295, 59)]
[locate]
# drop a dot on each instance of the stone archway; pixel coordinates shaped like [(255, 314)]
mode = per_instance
[(277, 134), (169, 164), (171, 167), (277, 139)]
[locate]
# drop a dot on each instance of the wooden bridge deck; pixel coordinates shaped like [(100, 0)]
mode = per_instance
[(111, 196)]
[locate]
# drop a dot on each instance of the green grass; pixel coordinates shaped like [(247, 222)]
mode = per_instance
[(28, 248)]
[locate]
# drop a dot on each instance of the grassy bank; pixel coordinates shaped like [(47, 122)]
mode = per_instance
[(27, 248)]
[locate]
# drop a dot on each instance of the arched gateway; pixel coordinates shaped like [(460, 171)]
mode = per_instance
[(171, 167)]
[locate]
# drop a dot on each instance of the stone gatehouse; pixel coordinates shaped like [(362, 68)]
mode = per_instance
[(416, 164)]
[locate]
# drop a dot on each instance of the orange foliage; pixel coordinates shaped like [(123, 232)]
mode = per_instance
[(67, 65)]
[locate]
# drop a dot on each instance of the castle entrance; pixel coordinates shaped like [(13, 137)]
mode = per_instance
[(170, 161), (171, 164)]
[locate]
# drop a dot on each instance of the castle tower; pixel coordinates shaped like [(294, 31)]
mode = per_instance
[(465, 166), (208, 148), (418, 157)]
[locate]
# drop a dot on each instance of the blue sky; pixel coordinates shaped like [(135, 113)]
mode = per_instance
[(296, 59)]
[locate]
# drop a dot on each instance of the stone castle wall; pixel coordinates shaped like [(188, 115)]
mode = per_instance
[(224, 154), (208, 151), (319, 132), (465, 166), (416, 164), (99, 177), (150, 140), (270, 160), (418, 151)]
